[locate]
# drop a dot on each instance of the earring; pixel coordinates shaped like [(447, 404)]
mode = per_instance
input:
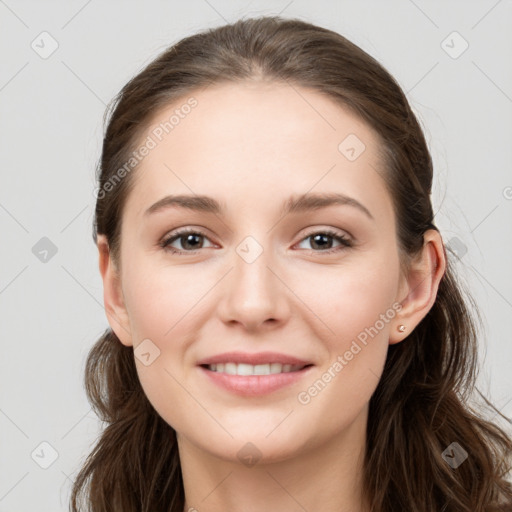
[(401, 328)]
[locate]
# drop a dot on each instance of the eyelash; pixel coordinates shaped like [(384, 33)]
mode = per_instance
[(345, 242)]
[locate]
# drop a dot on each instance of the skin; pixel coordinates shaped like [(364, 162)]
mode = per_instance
[(239, 143)]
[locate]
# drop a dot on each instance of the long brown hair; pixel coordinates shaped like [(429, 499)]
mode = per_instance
[(421, 405)]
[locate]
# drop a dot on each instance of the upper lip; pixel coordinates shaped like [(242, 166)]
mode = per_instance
[(256, 358)]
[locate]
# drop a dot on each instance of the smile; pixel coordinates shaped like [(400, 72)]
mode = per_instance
[(256, 369)]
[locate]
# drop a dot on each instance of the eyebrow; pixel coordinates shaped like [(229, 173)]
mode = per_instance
[(295, 204)]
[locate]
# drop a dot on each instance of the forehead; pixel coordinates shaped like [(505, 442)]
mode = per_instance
[(249, 142)]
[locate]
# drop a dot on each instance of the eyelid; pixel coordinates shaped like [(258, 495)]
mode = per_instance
[(315, 229)]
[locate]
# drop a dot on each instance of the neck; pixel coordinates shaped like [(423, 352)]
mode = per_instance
[(325, 477)]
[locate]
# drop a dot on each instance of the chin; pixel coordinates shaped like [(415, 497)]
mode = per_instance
[(253, 446)]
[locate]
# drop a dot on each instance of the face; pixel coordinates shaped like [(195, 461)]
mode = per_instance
[(318, 281)]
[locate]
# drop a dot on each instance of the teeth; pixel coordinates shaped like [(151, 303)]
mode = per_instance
[(249, 369)]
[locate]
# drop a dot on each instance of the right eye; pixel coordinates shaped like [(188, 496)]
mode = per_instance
[(186, 237)]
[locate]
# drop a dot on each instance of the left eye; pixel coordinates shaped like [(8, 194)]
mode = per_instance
[(192, 239), (320, 237)]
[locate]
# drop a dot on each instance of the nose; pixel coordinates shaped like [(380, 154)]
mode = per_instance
[(254, 294)]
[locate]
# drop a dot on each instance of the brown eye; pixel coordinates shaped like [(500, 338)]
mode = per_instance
[(321, 241), (190, 241)]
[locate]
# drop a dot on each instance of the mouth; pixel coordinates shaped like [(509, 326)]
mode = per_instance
[(231, 368), (247, 380), (254, 374)]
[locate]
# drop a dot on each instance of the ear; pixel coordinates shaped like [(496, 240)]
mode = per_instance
[(113, 299), (418, 289)]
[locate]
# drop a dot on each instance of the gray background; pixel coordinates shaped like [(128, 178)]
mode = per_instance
[(50, 136)]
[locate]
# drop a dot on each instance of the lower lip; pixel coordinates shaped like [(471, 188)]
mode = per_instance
[(254, 385)]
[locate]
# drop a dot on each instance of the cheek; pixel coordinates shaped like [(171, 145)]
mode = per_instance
[(350, 298), (355, 306), (162, 304), (161, 300)]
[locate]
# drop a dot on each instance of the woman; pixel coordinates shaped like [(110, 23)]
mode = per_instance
[(285, 327)]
